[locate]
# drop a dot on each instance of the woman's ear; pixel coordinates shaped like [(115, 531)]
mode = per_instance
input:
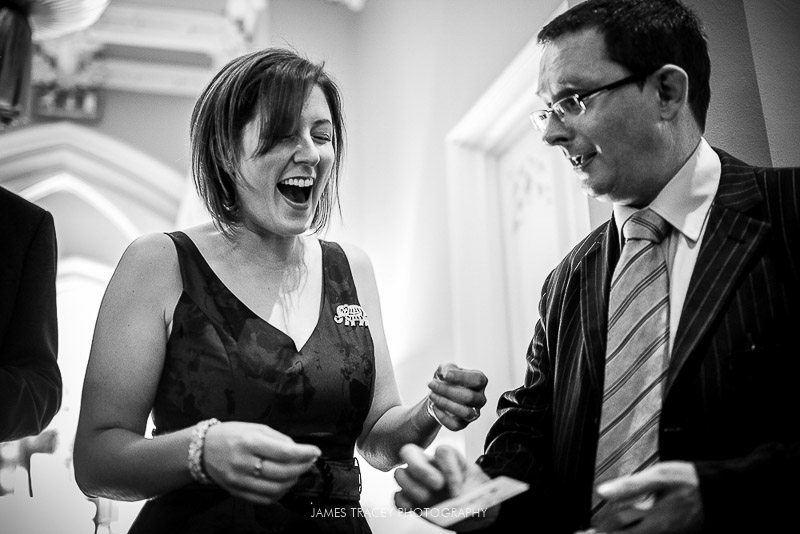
[(672, 84)]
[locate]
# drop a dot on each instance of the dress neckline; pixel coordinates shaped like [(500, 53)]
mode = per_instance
[(204, 265)]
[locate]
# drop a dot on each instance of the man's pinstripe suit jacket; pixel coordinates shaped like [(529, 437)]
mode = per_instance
[(732, 398)]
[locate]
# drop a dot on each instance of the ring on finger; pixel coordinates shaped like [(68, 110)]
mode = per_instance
[(257, 468), (474, 414)]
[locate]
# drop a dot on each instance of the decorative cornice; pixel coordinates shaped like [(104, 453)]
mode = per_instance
[(218, 37), (95, 157), (185, 30), (143, 77)]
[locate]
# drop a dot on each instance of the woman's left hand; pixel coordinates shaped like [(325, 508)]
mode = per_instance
[(457, 395)]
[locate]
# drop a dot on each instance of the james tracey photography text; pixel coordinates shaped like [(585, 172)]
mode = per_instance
[(345, 511)]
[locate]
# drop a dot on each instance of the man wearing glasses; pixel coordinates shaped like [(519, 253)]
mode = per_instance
[(660, 391)]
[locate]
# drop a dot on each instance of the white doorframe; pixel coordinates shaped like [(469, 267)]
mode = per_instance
[(481, 311)]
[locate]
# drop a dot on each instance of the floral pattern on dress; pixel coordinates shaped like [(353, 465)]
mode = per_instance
[(224, 361)]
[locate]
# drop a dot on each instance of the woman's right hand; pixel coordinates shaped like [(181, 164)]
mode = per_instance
[(255, 462)]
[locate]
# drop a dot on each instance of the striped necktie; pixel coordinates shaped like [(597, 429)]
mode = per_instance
[(637, 352)]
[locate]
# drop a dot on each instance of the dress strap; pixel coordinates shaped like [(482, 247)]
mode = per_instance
[(340, 286), (195, 271)]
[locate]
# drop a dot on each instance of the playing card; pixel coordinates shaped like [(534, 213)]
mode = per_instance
[(474, 501)]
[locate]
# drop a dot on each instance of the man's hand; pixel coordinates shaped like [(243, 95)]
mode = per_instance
[(664, 498), (426, 481)]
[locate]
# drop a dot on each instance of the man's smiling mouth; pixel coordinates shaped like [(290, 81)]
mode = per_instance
[(580, 161)]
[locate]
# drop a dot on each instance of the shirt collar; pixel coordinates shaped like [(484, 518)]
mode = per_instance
[(685, 200)]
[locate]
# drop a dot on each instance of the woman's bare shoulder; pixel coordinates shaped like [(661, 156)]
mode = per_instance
[(359, 260), (148, 266), (149, 251)]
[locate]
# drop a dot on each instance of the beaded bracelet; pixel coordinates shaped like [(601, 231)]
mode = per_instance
[(197, 448)]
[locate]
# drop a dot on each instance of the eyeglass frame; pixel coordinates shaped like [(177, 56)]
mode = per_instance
[(579, 99)]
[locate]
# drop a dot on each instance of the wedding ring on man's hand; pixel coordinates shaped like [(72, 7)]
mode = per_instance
[(257, 468), (429, 406)]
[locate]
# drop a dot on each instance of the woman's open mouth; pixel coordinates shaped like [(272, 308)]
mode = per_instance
[(296, 190)]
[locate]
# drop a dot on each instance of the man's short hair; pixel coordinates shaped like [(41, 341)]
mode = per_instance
[(643, 35), (270, 85)]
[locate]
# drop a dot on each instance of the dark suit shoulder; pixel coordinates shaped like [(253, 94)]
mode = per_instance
[(765, 196), (17, 213), (735, 170), (779, 186), (766, 193), (788, 176), (780, 189)]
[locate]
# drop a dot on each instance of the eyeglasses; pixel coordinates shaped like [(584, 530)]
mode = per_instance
[(574, 105)]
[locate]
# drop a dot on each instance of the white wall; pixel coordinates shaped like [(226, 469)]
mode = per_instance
[(775, 42), (409, 70)]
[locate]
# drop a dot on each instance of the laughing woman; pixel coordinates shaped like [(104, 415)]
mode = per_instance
[(257, 347)]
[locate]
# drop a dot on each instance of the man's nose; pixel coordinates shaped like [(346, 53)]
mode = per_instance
[(556, 133)]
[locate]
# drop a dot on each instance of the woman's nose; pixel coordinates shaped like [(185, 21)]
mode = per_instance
[(306, 151)]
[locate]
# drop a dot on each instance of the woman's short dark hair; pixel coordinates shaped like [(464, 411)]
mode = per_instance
[(643, 35), (272, 84)]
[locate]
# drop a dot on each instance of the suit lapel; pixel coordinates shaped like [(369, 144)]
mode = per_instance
[(731, 238), (595, 270)]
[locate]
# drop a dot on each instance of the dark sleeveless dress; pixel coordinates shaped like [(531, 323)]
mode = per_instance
[(224, 361)]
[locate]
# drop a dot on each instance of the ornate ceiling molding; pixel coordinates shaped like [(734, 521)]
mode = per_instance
[(149, 32), (206, 39), (144, 77), (183, 30)]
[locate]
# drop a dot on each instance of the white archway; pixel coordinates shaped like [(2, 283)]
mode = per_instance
[(29, 154), (102, 194)]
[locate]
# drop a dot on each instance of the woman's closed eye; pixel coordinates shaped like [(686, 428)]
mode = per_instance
[(318, 137), (322, 136)]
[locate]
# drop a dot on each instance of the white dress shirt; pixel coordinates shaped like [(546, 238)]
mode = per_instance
[(685, 203)]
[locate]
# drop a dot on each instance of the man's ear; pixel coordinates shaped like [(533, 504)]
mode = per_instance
[(672, 84)]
